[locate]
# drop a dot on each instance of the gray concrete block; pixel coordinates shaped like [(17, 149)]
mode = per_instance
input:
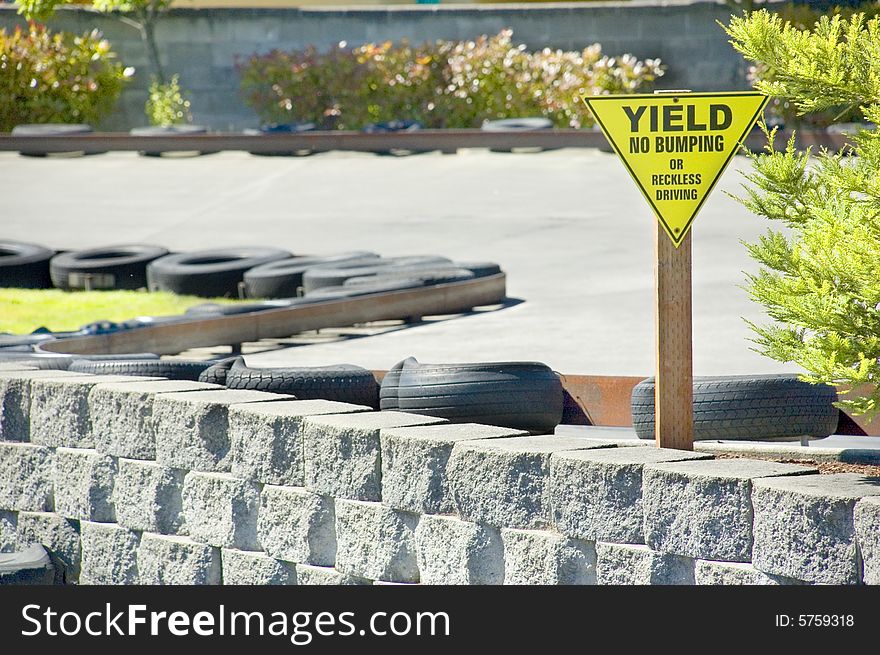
[(221, 510), (59, 409), (58, 535), (702, 509), (83, 480), (122, 418), (14, 410), (8, 531), (323, 575), (192, 427), (342, 453), (267, 442), (804, 526), (109, 554), (735, 573), (25, 477), (636, 564), (375, 542), (147, 497), (414, 463), (450, 551), (168, 560), (297, 526), (15, 399), (537, 557), (596, 495), (245, 567), (504, 482), (867, 523)]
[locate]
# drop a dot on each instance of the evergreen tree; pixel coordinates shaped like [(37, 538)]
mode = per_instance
[(820, 273)]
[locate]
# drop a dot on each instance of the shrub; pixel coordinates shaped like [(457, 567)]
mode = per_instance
[(61, 78), (803, 17), (819, 277), (441, 84), (166, 104)]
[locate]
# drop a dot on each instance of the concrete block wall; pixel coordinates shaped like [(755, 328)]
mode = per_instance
[(183, 483), (204, 45)]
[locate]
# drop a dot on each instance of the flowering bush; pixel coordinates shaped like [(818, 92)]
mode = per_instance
[(167, 104), (59, 78), (442, 84)]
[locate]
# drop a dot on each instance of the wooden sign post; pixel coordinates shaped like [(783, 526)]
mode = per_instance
[(673, 384), (675, 145)]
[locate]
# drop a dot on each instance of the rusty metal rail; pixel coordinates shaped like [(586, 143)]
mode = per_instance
[(418, 140), (200, 331), (447, 141)]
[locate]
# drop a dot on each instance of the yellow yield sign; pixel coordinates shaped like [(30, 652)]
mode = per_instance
[(676, 145)]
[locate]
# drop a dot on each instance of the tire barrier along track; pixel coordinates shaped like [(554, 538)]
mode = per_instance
[(112, 267), (168, 338), (520, 395), (749, 407), (343, 382), (24, 265)]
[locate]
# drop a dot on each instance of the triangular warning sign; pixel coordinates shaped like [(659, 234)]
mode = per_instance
[(676, 145)]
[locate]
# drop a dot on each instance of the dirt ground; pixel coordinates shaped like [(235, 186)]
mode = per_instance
[(825, 468)]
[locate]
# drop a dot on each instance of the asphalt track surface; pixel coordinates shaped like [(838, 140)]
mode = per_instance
[(568, 226)]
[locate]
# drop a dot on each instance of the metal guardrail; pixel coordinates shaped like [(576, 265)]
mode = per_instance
[(446, 141), (202, 331), (417, 140)]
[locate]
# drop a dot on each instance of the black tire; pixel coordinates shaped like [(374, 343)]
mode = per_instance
[(38, 360), (216, 373), (25, 265), (424, 277), (343, 291), (392, 126), (282, 128), (388, 390), (519, 124), (170, 130), (479, 269), (343, 383), (214, 309), (520, 395), (334, 275), (748, 407), (208, 273), (173, 369), (116, 267), (51, 129), (283, 278)]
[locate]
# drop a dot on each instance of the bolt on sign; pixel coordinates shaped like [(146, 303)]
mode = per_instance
[(676, 145)]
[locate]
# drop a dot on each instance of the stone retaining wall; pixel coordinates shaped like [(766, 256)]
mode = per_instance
[(204, 44), (147, 481)]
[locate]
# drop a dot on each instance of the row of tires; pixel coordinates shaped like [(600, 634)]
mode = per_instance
[(251, 272), (521, 395), (60, 129)]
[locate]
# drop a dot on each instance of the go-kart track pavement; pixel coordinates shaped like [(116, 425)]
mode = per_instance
[(568, 227)]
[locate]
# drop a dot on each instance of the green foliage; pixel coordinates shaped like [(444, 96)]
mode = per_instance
[(167, 104), (820, 276), (442, 84), (138, 14), (43, 9), (60, 78), (817, 59)]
